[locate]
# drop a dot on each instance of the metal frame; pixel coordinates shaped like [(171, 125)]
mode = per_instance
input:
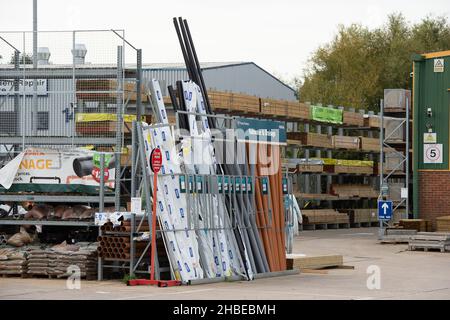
[(384, 142)]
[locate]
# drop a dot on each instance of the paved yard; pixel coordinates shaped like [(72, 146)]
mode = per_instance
[(404, 275)]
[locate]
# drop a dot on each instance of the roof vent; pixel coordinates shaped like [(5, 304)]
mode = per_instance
[(43, 56), (79, 53)]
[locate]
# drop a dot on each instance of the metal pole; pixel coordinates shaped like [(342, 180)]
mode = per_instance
[(134, 183), (407, 156), (119, 116), (138, 84), (381, 230), (101, 208), (35, 44)]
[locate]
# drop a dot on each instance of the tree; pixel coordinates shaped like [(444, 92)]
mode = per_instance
[(358, 64)]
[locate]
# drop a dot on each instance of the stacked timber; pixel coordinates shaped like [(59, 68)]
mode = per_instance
[(369, 144), (353, 190), (362, 215), (296, 261), (353, 119), (345, 142), (324, 216), (105, 90), (420, 225), (102, 123), (311, 139), (13, 262), (274, 107), (430, 240), (298, 110), (230, 101), (443, 224), (372, 121)]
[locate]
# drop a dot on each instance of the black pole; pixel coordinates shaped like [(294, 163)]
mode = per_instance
[(200, 74), (183, 49)]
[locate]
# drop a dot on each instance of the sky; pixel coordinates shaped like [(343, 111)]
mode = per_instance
[(277, 35)]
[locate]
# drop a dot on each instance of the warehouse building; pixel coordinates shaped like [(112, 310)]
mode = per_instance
[(431, 98), (239, 77)]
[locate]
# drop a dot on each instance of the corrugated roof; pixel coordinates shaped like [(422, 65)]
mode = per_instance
[(181, 65)]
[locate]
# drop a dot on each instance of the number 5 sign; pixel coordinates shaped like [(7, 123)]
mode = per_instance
[(432, 153)]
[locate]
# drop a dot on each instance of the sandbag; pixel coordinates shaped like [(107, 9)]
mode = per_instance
[(39, 212), (20, 239)]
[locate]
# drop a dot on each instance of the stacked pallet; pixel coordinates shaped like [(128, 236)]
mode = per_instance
[(298, 110), (324, 216), (274, 107), (102, 123), (420, 225), (310, 167), (311, 139), (443, 224), (348, 169), (396, 235), (430, 240), (372, 121), (233, 102), (353, 190), (369, 144), (362, 215), (13, 262), (107, 90), (345, 142), (295, 261), (353, 119)]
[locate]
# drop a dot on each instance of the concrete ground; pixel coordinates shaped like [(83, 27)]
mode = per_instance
[(403, 275)]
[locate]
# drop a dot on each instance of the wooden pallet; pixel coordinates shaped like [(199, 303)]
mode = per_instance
[(310, 139), (345, 142), (369, 144), (443, 224), (353, 119), (430, 241), (315, 264)]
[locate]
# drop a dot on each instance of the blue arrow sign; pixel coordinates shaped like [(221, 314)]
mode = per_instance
[(384, 209)]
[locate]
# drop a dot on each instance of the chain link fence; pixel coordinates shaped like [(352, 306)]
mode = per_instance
[(73, 92)]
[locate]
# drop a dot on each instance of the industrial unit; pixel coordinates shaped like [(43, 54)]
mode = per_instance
[(431, 92)]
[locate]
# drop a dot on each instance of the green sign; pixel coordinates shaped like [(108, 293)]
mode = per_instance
[(96, 159), (324, 114)]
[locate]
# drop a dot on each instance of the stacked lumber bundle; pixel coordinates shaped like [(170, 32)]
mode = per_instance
[(274, 107), (443, 224), (370, 144), (430, 240), (353, 190), (102, 123), (348, 166), (64, 259), (298, 110), (107, 90), (233, 102), (395, 100), (311, 139), (372, 121), (395, 235), (353, 119), (344, 142), (363, 215), (420, 225), (295, 261), (324, 216), (13, 262), (310, 167)]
